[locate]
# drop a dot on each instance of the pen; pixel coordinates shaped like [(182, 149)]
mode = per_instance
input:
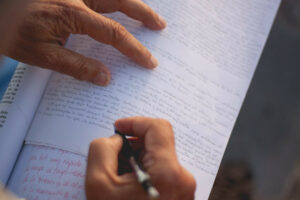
[(143, 177)]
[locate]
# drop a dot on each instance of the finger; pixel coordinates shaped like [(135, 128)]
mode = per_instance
[(135, 126), (103, 154), (110, 32), (135, 9), (76, 65), (102, 171), (160, 158), (138, 10), (155, 132)]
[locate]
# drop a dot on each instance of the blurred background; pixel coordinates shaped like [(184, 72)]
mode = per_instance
[(262, 160)]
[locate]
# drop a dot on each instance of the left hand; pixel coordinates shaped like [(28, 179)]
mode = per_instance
[(41, 34)]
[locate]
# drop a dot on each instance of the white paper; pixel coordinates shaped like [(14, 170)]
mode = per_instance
[(17, 109), (207, 55)]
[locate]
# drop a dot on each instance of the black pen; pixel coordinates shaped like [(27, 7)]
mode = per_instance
[(143, 177)]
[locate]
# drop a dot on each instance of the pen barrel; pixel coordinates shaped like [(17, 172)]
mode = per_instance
[(143, 177), (127, 149), (146, 184)]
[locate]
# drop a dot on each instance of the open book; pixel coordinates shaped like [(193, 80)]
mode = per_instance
[(207, 54)]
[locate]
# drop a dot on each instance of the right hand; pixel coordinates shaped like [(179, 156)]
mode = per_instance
[(159, 159), (46, 25)]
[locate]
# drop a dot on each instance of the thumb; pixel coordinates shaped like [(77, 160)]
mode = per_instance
[(76, 65), (103, 154)]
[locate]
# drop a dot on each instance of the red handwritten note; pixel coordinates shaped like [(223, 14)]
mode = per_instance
[(44, 173)]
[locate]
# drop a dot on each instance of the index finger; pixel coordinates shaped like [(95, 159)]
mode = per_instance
[(156, 132)]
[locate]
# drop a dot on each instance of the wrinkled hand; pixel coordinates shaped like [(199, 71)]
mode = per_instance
[(159, 159), (47, 24)]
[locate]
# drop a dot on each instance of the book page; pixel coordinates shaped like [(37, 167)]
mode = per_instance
[(17, 109), (207, 54), (48, 173)]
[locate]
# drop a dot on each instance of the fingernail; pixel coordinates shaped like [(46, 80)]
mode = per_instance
[(101, 79), (162, 22), (153, 61)]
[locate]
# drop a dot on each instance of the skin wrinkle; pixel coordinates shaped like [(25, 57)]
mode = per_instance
[(82, 67), (47, 24), (103, 6), (159, 143), (167, 175), (61, 18), (118, 34)]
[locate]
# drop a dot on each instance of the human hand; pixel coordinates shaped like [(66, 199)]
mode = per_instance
[(46, 25), (159, 160)]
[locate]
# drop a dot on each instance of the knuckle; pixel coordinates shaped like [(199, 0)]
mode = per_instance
[(97, 146), (99, 143), (162, 123), (92, 148), (94, 143), (73, 66), (166, 123), (56, 60), (119, 33), (53, 60), (68, 15), (81, 68)]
